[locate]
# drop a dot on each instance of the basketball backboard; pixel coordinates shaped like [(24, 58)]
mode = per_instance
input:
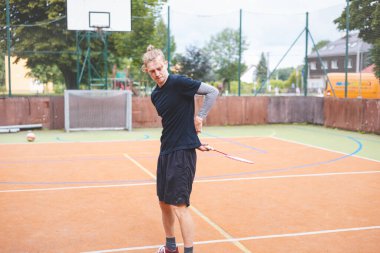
[(89, 15)]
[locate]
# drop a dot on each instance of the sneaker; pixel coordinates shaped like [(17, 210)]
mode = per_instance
[(164, 249)]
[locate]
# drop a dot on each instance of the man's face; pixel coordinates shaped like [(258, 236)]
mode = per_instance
[(157, 70)]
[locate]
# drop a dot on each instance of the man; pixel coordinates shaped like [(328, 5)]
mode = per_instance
[(173, 98)]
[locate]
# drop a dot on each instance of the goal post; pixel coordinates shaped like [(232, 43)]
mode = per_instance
[(98, 110)]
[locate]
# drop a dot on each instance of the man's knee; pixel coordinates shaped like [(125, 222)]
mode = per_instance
[(180, 210), (165, 207)]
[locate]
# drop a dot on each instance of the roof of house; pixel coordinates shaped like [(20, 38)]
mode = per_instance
[(369, 69), (338, 47)]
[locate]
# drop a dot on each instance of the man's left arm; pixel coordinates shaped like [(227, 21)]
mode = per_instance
[(210, 93)]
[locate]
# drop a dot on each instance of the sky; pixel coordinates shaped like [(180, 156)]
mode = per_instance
[(268, 26)]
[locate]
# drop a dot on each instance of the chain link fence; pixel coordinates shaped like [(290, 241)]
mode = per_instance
[(242, 52)]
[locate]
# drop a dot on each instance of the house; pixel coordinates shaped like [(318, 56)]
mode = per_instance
[(249, 76), (21, 82), (333, 59)]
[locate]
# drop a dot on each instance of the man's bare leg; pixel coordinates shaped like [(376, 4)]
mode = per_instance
[(168, 219), (186, 223)]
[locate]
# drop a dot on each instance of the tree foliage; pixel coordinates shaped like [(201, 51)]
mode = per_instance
[(195, 64), (282, 74), (223, 50), (147, 28), (40, 35), (365, 17), (262, 69)]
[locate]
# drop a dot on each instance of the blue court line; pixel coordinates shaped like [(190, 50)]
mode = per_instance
[(303, 166), (335, 134), (236, 143)]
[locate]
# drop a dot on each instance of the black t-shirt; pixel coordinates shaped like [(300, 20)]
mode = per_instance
[(174, 102)]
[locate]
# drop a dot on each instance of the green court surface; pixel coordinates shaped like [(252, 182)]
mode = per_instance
[(362, 144)]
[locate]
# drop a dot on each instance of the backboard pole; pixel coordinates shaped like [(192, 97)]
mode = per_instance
[(105, 57), (88, 37), (78, 58)]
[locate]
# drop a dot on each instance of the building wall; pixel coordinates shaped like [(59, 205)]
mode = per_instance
[(20, 82), (318, 72)]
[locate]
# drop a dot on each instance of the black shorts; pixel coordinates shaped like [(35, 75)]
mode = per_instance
[(175, 176)]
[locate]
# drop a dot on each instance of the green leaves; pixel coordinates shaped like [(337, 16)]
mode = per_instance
[(365, 17), (194, 64), (39, 35), (223, 50)]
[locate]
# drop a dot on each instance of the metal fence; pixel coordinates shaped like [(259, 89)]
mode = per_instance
[(267, 53)]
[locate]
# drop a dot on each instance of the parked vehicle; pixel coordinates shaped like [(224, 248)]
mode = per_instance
[(360, 85)]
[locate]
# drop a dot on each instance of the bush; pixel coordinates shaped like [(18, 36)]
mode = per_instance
[(245, 88), (278, 83)]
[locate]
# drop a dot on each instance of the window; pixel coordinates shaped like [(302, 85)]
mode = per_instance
[(313, 65), (334, 64), (349, 64), (325, 65)]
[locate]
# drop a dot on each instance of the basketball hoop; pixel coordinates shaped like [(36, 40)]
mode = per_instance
[(111, 15)]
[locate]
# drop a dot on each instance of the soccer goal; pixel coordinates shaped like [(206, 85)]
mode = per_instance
[(98, 110)]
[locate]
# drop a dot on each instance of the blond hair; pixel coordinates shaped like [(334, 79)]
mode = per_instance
[(151, 54)]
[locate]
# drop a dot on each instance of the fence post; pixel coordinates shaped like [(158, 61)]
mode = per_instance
[(239, 64), (346, 56), (306, 67), (168, 39), (9, 47)]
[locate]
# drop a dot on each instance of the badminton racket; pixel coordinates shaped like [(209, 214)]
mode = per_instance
[(229, 156)]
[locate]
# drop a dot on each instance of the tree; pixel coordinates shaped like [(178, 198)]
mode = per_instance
[(46, 74), (282, 74), (31, 32), (320, 45), (223, 51), (293, 79), (195, 64), (262, 69), (41, 26), (147, 29), (365, 17)]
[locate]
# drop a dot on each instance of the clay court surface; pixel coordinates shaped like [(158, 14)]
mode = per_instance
[(99, 196)]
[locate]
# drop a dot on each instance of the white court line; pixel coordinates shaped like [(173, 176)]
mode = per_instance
[(196, 181), (325, 149), (195, 210), (76, 187), (340, 230), (140, 166)]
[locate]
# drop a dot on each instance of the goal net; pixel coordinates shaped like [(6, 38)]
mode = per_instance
[(98, 110)]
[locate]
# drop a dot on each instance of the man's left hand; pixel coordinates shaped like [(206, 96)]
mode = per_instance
[(198, 124)]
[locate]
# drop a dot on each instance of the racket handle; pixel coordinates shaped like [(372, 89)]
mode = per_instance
[(208, 147)]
